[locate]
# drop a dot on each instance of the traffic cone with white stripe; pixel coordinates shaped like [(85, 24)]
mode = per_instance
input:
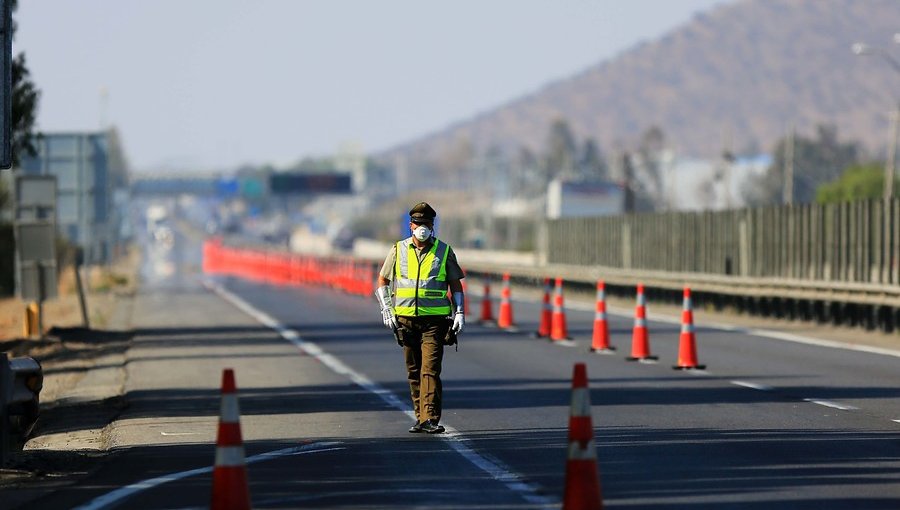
[(640, 338), (582, 490), (229, 489), (487, 312), (600, 340), (546, 312), (687, 345), (558, 331), (505, 319)]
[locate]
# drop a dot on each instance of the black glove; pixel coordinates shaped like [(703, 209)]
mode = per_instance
[(450, 338)]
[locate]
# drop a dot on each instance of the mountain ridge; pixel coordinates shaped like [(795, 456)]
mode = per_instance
[(737, 76)]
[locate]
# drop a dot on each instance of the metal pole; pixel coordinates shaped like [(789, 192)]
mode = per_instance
[(81, 299), (891, 155), (40, 302), (788, 196)]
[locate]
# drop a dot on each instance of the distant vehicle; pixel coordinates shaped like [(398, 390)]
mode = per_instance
[(156, 215), (572, 199), (164, 236)]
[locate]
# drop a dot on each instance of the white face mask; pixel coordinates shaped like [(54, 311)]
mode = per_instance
[(422, 233)]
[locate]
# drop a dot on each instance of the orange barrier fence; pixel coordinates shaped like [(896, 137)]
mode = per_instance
[(348, 275)]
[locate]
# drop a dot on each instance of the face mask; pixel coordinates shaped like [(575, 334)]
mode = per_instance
[(422, 233)]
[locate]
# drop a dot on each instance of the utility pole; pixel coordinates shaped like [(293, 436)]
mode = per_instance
[(788, 193), (891, 156)]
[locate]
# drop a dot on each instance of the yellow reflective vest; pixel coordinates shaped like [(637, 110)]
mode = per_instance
[(421, 286)]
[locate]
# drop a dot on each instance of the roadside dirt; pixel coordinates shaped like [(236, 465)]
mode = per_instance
[(67, 351)]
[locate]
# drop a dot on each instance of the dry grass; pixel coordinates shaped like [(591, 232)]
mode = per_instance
[(103, 284)]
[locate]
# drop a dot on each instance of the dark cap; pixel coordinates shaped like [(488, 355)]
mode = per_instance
[(422, 212)]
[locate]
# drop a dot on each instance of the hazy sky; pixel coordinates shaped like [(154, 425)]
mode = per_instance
[(206, 84)]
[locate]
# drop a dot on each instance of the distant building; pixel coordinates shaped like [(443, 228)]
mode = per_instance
[(91, 178)]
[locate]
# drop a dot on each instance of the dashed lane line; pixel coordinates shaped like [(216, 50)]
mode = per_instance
[(451, 436), (817, 401)]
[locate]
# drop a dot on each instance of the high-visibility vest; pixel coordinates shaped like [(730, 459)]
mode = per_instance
[(421, 286)]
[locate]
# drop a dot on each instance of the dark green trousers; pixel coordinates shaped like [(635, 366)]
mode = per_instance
[(423, 339)]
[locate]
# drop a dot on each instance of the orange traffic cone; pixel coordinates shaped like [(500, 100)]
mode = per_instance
[(582, 475), (229, 489), (687, 345), (546, 312), (558, 329), (600, 340), (487, 313), (505, 319), (640, 339)]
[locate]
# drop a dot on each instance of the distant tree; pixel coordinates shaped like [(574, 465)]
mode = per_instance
[(531, 181), (313, 165), (561, 151), (591, 163), (815, 161), (858, 182), (454, 166), (25, 97), (648, 169)]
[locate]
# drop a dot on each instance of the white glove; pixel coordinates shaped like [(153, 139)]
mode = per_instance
[(387, 313), (387, 316), (459, 320)]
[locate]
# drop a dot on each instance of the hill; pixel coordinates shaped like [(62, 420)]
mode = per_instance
[(739, 75)]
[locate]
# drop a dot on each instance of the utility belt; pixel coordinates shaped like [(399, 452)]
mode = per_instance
[(409, 331)]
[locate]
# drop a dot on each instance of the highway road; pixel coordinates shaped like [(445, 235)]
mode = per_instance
[(770, 424)]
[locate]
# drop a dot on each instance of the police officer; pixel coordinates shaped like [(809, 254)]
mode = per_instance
[(421, 269)]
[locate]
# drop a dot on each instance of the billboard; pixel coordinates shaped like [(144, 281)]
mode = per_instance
[(570, 199), (297, 183)]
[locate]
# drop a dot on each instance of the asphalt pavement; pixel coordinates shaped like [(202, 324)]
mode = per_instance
[(769, 424)]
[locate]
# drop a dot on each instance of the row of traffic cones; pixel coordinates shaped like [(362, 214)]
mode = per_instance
[(552, 323)]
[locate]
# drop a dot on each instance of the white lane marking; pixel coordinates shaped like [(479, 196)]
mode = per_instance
[(898, 421), (117, 495), (451, 436), (179, 433), (754, 386), (828, 403)]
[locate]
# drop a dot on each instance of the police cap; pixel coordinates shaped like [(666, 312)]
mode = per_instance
[(422, 213)]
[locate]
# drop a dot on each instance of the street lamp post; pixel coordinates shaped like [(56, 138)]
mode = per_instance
[(864, 49)]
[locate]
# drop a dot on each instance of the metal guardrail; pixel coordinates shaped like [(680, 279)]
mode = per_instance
[(21, 381)]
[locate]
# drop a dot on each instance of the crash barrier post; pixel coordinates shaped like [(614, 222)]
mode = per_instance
[(600, 338), (546, 312), (640, 338), (505, 317), (31, 324), (687, 343), (558, 330), (22, 381), (582, 489), (229, 487)]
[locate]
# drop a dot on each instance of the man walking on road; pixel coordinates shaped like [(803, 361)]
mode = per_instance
[(421, 269)]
